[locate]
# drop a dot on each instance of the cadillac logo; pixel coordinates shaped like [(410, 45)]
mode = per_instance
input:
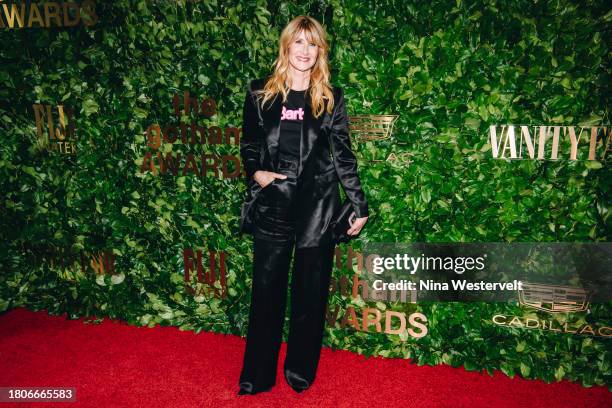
[(555, 299), (371, 127)]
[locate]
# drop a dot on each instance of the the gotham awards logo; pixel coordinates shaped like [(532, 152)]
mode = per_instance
[(55, 128), (549, 142), (162, 141), (366, 319), (17, 14), (553, 300)]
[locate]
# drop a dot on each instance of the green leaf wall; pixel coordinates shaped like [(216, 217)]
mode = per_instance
[(449, 69)]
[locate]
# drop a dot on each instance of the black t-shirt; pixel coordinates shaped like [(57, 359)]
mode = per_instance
[(292, 116)]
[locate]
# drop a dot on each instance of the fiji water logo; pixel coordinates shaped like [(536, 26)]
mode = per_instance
[(296, 114)]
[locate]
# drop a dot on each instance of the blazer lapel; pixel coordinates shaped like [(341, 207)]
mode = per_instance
[(311, 128), (272, 119)]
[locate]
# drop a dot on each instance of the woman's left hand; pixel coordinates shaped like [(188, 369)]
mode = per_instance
[(356, 225)]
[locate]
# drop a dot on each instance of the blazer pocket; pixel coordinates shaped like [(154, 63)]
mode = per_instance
[(269, 184), (267, 195), (323, 181), (328, 174)]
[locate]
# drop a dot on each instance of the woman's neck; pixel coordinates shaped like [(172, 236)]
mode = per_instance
[(298, 80)]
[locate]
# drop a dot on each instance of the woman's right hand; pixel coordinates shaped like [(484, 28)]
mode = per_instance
[(264, 177)]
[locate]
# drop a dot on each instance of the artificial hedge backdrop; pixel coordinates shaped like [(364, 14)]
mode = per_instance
[(449, 69)]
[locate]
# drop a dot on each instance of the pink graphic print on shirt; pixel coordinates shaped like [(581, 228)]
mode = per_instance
[(288, 114)]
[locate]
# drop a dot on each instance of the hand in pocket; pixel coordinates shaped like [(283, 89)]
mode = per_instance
[(264, 177)]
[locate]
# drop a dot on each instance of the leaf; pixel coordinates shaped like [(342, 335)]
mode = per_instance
[(118, 278), (592, 120), (507, 369), (90, 106), (472, 123), (470, 365), (559, 373), (425, 195), (593, 164), (204, 80), (100, 280), (525, 370)]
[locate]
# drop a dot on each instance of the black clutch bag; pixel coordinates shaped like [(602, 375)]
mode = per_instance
[(340, 223)]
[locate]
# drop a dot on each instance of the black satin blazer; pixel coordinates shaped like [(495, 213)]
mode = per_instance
[(317, 175)]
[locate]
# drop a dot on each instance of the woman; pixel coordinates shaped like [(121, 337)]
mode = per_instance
[(295, 148)]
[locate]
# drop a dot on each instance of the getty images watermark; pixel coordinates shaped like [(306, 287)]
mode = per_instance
[(413, 264), (486, 271)]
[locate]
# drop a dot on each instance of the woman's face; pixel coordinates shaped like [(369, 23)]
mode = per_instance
[(302, 54)]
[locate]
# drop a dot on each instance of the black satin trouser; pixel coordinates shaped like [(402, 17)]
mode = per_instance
[(273, 247)]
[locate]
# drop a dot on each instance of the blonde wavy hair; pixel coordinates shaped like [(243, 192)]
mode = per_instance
[(319, 88)]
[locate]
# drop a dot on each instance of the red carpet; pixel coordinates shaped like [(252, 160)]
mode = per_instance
[(116, 365)]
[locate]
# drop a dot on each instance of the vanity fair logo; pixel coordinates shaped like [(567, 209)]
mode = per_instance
[(552, 142)]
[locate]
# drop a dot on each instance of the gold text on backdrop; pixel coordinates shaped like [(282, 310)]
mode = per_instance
[(59, 139), (25, 14), (548, 139)]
